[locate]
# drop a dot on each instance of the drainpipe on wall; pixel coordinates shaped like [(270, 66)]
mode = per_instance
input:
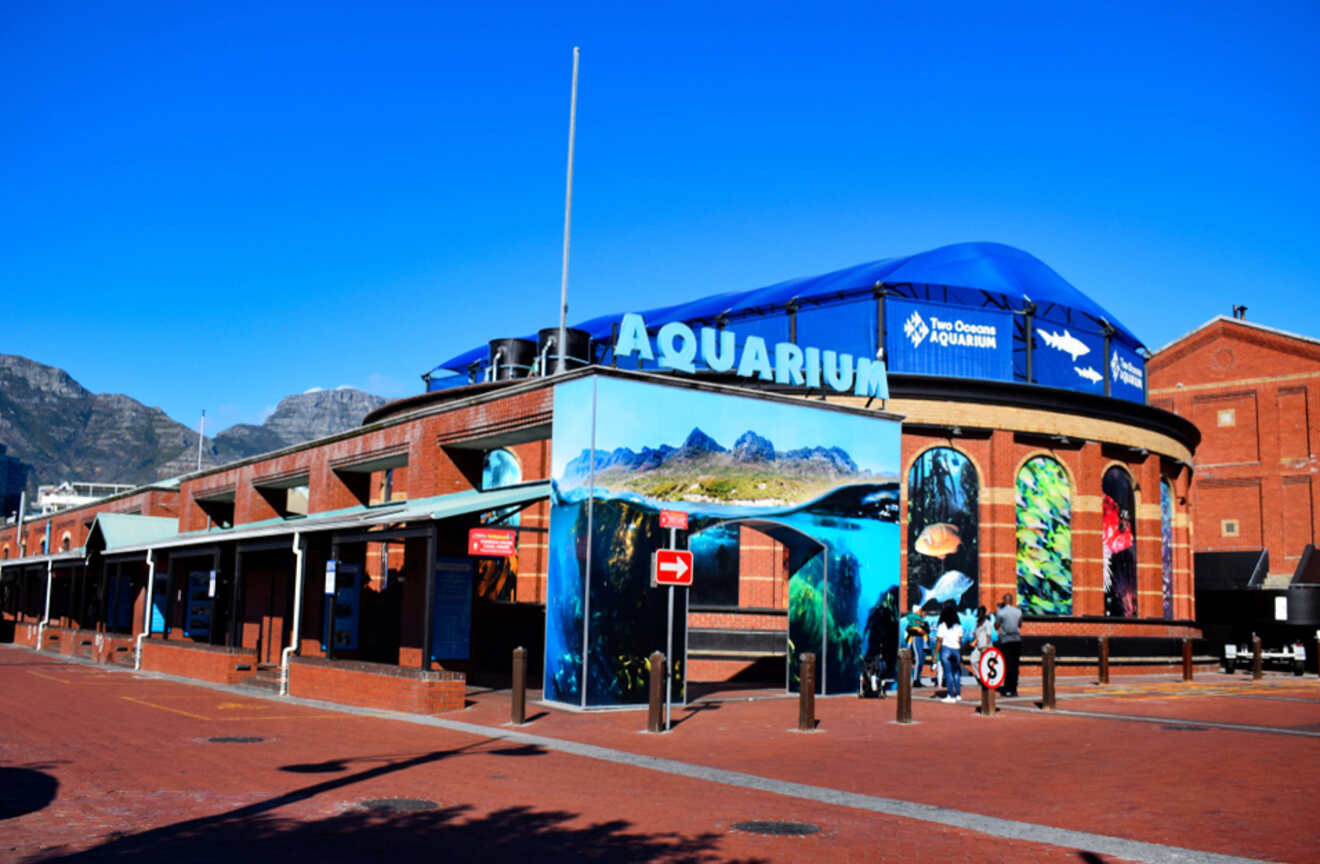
[(296, 634), (45, 618), (146, 623)]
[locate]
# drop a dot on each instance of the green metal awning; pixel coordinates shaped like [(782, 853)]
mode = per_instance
[(111, 532), (358, 518)]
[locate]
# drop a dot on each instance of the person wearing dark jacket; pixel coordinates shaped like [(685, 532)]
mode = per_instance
[(1009, 621)]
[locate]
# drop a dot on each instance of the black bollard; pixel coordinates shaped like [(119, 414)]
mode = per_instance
[(1047, 677), (655, 715), (1104, 659), (518, 711), (904, 685), (1187, 659), (1256, 670), (807, 693)]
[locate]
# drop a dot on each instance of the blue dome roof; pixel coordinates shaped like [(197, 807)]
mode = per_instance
[(971, 274)]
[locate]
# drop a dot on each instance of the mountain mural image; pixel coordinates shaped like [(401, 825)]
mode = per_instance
[(751, 472)]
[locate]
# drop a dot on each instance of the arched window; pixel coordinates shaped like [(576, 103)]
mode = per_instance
[(1044, 538), (66, 541), (1166, 544), (1119, 543), (6, 550), (943, 521)]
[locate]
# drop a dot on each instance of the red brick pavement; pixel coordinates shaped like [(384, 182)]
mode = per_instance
[(131, 759)]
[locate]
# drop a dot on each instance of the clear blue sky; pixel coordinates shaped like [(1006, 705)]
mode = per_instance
[(214, 205)]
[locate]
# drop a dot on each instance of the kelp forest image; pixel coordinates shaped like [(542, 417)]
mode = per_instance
[(943, 519), (1044, 538)]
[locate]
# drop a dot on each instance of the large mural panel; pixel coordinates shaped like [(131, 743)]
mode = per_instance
[(1119, 542), (822, 482), (943, 522), (1166, 545), (1044, 538)]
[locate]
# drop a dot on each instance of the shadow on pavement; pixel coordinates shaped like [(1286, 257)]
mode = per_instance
[(254, 835), (25, 790), (519, 833)]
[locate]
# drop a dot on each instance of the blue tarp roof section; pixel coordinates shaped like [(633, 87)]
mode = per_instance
[(1009, 275)]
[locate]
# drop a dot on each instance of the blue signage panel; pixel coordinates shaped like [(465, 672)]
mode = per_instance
[(346, 605), (932, 339), (197, 615), (1066, 357), (451, 616), (1127, 374)]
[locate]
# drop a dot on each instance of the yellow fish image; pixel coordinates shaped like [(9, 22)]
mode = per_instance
[(939, 540)]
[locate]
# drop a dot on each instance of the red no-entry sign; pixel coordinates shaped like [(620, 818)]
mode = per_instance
[(671, 567), (492, 542)]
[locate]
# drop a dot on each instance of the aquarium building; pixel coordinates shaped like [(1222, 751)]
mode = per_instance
[(949, 426)]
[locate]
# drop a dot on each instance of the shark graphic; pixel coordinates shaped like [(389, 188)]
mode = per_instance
[(1065, 342), (1088, 373)]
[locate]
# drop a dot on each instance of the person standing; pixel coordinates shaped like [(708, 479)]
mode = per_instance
[(950, 636), (915, 631), (1009, 619), (982, 637)]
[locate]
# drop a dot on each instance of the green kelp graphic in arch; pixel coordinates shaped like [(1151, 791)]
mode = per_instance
[(1044, 538)]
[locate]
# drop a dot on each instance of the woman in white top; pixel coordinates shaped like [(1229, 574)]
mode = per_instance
[(950, 636)]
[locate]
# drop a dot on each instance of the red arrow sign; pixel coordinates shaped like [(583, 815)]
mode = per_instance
[(671, 567)]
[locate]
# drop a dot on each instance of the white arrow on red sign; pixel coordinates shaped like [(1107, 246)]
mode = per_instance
[(672, 567)]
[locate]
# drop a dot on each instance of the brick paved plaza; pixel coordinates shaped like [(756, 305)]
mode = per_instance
[(100, 763)]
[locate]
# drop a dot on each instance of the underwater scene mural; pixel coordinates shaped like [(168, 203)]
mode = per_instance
[(1119, 544), (823, 483), (1044, 538), (942, 534), (1166, 545)]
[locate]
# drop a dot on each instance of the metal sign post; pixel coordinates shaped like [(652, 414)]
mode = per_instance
[(669, 637), (671, 567)]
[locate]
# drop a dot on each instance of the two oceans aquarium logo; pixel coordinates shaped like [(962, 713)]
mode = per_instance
[(946, 333), (678, 347)]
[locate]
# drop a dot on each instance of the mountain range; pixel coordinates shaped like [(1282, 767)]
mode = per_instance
[(62, 431), (749, 450)]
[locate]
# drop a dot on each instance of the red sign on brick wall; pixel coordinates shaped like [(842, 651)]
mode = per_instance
[(492, 542)]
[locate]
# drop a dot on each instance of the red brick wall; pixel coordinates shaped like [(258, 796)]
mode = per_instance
[(1259, 465), (357, 684), (204, 663)]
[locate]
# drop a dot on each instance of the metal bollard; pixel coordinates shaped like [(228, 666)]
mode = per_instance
[(807, 693), (1047, 677), (655, 714), (1256, 671), (904, 699), (1187, 659), (987, 708), (1104, 659), (518, 711)]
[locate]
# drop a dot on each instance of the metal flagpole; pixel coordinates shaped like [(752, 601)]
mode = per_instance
[(560, 365), (200, 436)]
